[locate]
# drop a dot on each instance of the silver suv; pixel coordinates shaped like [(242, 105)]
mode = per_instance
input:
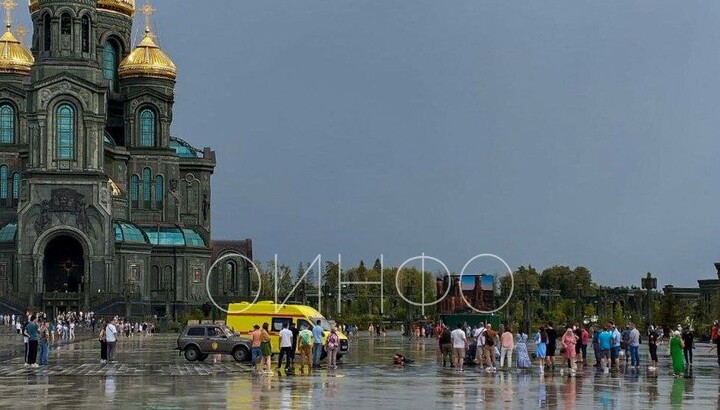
[(197, 342)]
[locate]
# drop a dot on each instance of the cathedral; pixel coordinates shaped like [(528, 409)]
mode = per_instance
[(101, 207)]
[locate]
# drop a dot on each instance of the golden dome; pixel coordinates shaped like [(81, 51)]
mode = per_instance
[(14, 57), (126, 7), (147, 60)]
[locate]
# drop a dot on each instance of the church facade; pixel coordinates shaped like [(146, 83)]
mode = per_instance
[(101, 208)]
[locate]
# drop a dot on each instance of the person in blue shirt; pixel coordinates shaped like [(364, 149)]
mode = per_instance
[(605, 339), (31, 331), (318, 334)]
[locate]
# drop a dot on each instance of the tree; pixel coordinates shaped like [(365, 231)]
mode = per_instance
[(377, 267)]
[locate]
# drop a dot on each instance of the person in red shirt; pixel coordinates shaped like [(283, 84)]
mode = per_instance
[(715, 338), (584, 340)]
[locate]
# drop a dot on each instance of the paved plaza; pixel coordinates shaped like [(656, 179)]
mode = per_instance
[(149, 374)]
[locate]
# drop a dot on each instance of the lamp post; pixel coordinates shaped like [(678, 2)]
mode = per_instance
[(526, 308)]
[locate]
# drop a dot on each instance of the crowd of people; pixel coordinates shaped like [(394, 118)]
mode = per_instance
[(307, 343), (613, 347), (40, 333)]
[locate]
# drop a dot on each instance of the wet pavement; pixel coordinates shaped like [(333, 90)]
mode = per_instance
[(149, 374)]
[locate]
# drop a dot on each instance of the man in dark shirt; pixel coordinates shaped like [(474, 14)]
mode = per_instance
[(652, 346), (291, 357), (552, 344), (446, 346), (31, 331), (688, 338)]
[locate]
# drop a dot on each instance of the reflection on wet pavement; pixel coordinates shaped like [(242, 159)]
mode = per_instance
[(149, 374)]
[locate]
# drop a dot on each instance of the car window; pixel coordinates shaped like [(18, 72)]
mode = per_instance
[(196, 331), (279, 322), (303, 322)]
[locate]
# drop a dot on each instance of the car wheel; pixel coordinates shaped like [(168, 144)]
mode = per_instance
[(241, 354), (192, 353), (202, 357)]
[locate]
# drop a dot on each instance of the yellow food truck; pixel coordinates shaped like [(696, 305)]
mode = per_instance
[(243, 316)]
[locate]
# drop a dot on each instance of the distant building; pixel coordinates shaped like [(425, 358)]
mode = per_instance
[(476, 294)]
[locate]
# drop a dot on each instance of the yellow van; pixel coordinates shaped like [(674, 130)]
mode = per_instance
[(243, 316)]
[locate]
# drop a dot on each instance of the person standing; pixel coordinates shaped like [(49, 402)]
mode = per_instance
[(652, 346), (507, 345), (318, 336), (480, 345), (305, 338), (584, 340), (293, 350), (715, 339), (541, 348), (103, 344), (111, 333), (676, 353), (605, 340), (285, 337), (569, 341), (459, 341), (688, 346), (266, 348), (523, 357), (255, 346), (332, 346), (44, 340), (490, 337), (616, 344), (551, 345), (446, 347), (31, 331), (634, 346)]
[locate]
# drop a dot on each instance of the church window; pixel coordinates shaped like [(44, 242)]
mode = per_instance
[(110, 65), (167, 278), (147, 128), (230, 276), (3, 183), (65, 129), (147, 183), (134, 188), (65, 24), (16, 186), (7, 124), (155, 278), (86, 34), (47, 32), (159, 191)]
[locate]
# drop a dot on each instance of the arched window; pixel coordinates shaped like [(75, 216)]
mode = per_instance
[(7, 124), (3, 184), (134, 189), (167, 278), (231, 277), (147, 128), (47, 32), (65, 24), (16, 186), (159, 191), (147, 183), (155, 283), (65, 129), (86, 34), (110, 63)]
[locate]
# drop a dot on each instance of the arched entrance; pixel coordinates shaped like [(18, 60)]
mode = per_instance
[(64, 265)]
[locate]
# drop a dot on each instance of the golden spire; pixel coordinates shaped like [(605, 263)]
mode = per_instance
[(14, 57), (147, 60), (9, 6), (148, 10)]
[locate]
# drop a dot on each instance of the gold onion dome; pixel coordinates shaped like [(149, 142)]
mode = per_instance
[(14, 57), (126, 7), (147, 60)]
